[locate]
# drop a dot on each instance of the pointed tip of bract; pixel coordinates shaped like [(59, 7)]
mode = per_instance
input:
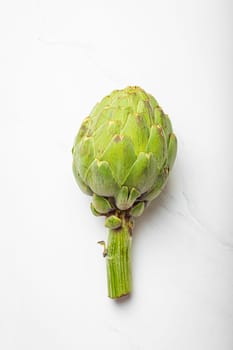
[(133, 88)]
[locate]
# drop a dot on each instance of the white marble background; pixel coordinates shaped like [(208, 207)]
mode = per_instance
[(57, 59)]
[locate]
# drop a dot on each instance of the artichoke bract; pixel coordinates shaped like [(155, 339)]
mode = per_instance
[(122, 156)]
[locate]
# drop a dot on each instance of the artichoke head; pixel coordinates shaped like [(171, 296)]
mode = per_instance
[(123, 153)]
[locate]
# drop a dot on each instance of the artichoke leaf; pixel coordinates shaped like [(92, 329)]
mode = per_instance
[(101, 204), (137, 130), (157, 145), (100, 179), (80, 182), (84, 155), (120, 156), (143, 173), (157, 188), (137, 209), (122, 198), (113, 222), (172, 150)]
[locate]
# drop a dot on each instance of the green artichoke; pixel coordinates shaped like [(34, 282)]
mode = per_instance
[(122, 156)]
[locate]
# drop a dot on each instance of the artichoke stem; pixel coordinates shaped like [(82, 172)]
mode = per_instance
[(119, 260)]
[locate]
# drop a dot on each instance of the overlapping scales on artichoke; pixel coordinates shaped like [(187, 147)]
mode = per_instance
[(123, 153)]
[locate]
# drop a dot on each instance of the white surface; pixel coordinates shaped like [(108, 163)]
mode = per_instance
[(57, 59)]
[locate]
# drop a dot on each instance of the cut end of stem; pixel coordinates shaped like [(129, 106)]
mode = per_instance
[(121, 297)]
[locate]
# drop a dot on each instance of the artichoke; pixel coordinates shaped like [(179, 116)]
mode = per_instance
[(122, 156)]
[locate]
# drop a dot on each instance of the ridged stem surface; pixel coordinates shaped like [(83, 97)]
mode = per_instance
[(119, 261)]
